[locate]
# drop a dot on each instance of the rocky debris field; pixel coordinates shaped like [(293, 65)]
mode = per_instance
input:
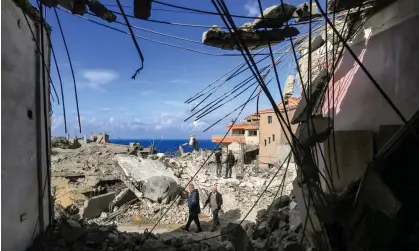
[(277, 227), (92, 158), (239, 194)]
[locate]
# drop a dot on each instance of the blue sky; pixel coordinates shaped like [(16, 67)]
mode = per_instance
[(152, 105)]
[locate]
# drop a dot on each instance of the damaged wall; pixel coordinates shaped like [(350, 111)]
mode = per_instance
[(23, 131), (388, 47)]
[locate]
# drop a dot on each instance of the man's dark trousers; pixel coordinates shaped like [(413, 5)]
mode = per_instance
[(215, 219), (229, 171), (195, 219)]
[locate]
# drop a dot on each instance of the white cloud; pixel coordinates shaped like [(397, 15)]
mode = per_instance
[(105, 109), (98, 78), (252, 8)]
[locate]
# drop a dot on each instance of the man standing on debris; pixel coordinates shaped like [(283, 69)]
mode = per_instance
[(215, 201), (230, 161), (194, 209), (218, 162)]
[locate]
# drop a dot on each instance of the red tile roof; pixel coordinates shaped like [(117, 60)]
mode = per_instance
[(292, 104), (245, 125)]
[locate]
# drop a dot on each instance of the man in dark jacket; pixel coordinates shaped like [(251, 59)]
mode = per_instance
[(218, 162), (194, 209), (230, 161), (215, 201)]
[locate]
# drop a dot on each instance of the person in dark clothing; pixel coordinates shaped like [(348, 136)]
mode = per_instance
[(194, 209), (218, 162), (230, 161), (215, 201)]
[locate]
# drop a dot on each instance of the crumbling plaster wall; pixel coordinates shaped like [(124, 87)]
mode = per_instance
[(24, 144), (388, 46)]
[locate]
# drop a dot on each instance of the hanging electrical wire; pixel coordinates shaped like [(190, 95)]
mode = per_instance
[(133, 39), (196, 173), (152, 40), (38, 49), (71, 67), (58, 73)]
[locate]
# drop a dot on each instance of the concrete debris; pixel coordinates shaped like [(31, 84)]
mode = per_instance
[(101, 11), (289, 86), (159, 179), (96, 205), (150, 177), (142, 9), (303, 12), (125, 196), (253, 39), (274, 16)]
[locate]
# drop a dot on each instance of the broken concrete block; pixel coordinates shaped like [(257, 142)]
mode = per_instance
[(50, 4), (289, 86), (237, 236), (147, 178), (281, 202), (125, 196), (101, 11), (314, 131), (160, 189), (316, 43), (303, 12), (142, 9), (253, 39), (317, 85), (77, 7), (274, 16), (96, 205), (71, 230)]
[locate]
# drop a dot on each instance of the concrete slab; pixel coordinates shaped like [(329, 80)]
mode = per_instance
[(96, 205)]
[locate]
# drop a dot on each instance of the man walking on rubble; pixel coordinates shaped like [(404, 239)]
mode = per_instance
[(230, 161), (218, 162), (194, 209), (215, 201)]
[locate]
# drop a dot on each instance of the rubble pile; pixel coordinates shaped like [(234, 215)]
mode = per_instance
[(81, 236), (92, 158), (277, 227), (239, 195)]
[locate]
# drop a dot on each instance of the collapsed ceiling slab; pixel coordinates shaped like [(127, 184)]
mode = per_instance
[(274, 16), (253, 39)]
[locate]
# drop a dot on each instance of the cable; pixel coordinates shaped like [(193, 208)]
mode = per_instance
[(71, 67), (133, 39), (41, 196), (42, 56), (154, 32), (199, 169), (58, 73), (251, 209), (152, 40)]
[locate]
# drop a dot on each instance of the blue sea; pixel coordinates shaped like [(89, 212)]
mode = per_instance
[(167, 145)]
